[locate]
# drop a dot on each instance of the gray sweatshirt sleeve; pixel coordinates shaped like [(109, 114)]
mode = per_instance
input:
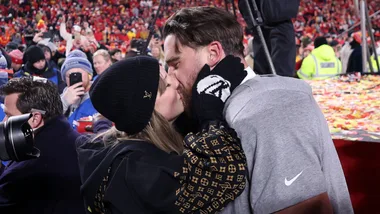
[(285, 169), (332, 170), (281, 134)]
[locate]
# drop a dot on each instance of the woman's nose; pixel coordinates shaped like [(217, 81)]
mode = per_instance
[(173, 81)]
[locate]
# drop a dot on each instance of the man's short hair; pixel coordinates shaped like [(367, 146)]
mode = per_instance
[(34, 95), (199, 26), (114, 51), (320, 41), (103, 53)]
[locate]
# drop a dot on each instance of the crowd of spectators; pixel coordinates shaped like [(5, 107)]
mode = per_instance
[(72, 44), (115, 22), (330, 19), (112, 23)]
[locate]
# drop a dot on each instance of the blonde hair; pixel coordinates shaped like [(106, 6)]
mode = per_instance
[(103, 53), (161, 56), (159, 132)]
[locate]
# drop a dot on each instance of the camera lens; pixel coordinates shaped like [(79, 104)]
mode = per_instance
[(16, 139)]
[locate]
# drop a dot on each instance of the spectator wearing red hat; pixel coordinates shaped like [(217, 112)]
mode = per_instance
[(16, 56), (355, 63)]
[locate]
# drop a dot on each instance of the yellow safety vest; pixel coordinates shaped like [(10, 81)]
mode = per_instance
[(374, 65), (323, 70)]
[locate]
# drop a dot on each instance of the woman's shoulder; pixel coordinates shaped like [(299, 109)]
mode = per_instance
[(146, 171), (142, 151), (147, 152), (137, 170)]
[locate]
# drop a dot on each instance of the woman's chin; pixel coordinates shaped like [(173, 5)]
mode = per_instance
[(173, 119)]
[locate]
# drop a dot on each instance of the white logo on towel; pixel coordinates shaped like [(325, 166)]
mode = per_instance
[(289, 182), (215, 85)]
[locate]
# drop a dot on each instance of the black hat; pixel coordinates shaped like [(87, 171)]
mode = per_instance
[(320, 41), (33, 54), (334, 43), (11, 46), (126, 93)]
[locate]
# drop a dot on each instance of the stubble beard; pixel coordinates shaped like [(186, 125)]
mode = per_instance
[(186, 99), (186, 93)]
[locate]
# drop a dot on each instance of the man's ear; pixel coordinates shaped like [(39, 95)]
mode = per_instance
[(36, 120), (215, 53)]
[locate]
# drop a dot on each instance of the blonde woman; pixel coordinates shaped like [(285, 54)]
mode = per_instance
[(102, 60), (158, 53), (141, 165)]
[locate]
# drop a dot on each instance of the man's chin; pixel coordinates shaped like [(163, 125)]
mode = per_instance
[(187, 106), (188, 112)]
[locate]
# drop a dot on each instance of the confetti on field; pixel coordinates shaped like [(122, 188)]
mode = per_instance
[(351, 108)]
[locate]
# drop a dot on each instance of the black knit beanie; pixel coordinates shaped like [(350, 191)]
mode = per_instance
[(126, 93), (33, 54), (320, 41)]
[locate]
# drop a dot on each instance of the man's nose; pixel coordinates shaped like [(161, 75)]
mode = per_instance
[(171, 70)]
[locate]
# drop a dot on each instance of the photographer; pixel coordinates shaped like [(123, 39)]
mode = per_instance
[(278, 32), (135, 49), (50, 183)]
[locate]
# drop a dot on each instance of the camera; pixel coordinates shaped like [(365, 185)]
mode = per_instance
[(139, 44), (16, 139)]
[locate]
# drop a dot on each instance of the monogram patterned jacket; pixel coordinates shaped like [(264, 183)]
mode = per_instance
[(214, 172), (137, 177)]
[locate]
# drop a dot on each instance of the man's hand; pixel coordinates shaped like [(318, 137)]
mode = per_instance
[(231, 69), (223, 79), (62, 19), (38, 37), (73, 93), (212, 88)]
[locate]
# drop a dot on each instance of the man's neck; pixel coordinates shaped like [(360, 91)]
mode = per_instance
[(250, 74), (243, 62)]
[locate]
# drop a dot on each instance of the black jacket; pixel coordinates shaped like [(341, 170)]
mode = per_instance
[(56, 57), (49, 72), (49, 184), (272, 11), (355, 63), (141, 179)]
